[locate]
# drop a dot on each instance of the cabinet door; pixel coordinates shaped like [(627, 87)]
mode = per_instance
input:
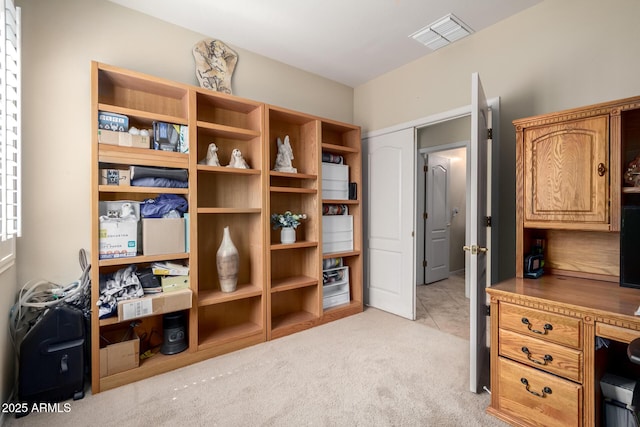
[(566, 172)]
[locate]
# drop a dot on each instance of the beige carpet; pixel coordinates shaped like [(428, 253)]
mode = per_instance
[(372, 369)]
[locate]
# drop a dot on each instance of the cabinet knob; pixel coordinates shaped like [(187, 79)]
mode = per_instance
[(602, 169)]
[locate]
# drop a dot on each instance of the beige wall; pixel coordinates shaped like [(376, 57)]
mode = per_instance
[(553, 56), (60, 38)]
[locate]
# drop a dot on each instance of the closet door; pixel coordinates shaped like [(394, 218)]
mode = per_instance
[(389, 232)]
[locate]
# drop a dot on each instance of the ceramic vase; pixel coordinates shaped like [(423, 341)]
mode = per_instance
[(287, 235), (228, 262)]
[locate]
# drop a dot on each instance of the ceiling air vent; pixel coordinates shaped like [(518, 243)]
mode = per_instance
[(442, 32)]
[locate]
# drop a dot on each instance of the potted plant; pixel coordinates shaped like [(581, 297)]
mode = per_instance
[(287, 223)]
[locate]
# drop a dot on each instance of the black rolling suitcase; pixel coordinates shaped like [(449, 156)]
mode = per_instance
[(52, 358)]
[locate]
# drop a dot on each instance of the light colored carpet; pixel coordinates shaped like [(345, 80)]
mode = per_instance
[(371, 369)]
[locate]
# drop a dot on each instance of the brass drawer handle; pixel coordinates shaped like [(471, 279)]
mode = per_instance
[(545, 390), (546, 358), (547, 327)]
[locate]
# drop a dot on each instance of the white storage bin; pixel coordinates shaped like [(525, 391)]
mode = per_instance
[(334, 300), (335, 181), (335, 276), (335, 289), (337, 233)]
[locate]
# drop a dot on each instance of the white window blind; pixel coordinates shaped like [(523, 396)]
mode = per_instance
[(10, 122)]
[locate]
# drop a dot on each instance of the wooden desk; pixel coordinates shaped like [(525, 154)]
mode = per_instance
[(545, 369)]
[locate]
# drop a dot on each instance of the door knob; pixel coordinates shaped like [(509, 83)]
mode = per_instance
[(475, 249)]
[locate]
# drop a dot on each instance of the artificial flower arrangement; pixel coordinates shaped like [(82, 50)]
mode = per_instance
[(287, 220)]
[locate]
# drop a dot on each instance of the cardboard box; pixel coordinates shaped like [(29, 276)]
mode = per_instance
[(137, 141), (154, 304), (115, 177), (118, 239), (163, 236), (187, 239), (123, 139), (120, 355), (174, 283), (109, 137), (113, 121)]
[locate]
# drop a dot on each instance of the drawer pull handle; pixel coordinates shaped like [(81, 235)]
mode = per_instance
[(546, 358), (547, 327), (545, 390)]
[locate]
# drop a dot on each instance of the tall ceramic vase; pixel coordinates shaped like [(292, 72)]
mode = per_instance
[(228, 262)]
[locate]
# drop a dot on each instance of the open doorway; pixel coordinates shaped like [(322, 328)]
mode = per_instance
[(441, 291)]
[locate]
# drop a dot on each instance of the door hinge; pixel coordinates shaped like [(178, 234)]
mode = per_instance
[(424, 263), (490, 133), (426, 168), (487, 221), (425, 215), (487, 310)]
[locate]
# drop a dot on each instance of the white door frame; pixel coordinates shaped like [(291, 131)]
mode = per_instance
[(494, 106)]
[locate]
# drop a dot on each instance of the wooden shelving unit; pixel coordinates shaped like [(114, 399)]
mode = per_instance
[(279, 288)]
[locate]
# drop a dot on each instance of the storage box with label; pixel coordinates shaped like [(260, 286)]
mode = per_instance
[(113, 121), (163, 236), (118, 238), (118, 229), (337, 233), (335, 181), (121, 351), (115, 177), (154, 304)]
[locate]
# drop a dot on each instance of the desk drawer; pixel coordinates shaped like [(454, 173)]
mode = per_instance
[(553, 358), (538, 398), (540, 324)]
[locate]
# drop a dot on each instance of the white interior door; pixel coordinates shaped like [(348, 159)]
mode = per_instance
[(438, 219), (390, 204), (476, 247)]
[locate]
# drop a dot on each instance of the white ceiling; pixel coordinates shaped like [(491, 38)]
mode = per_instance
[(349, 41)]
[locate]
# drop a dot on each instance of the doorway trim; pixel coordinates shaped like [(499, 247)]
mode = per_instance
[(456, 113)]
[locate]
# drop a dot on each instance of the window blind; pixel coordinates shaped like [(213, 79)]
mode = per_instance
[(10, 121)]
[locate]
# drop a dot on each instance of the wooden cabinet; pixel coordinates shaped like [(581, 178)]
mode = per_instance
[(566, 173), (538, 368), (570, 189), (569, 186), (279, 289)]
